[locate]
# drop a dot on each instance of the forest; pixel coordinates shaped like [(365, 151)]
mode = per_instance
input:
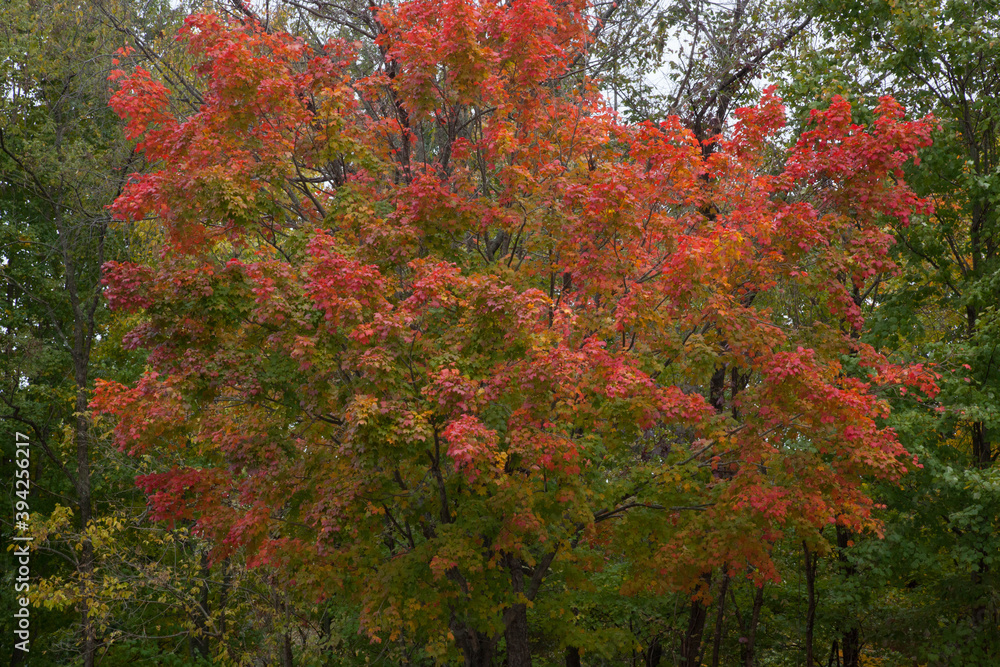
[(500, 332)]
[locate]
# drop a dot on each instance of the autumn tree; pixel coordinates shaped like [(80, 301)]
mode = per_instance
[(433, 339)]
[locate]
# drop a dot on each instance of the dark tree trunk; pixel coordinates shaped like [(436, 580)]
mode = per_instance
[(286, 651), (691, 642), (86, 562), (325, 629), (852, 648), (720, 617), (572, 656), (982, 451), (717, 388), (477, 648), (227, 581), (850, 641), (811, 562), (84, 330), (834, 654), (516, 632), (749, 657), (199, 638), (655, 653)]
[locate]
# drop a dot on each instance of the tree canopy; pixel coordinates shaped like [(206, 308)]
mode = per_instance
[(412, 349)]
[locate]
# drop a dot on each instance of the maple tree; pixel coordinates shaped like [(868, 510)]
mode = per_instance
[(433, 338)]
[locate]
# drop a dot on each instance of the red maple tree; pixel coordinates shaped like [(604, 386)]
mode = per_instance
[(427, 338)]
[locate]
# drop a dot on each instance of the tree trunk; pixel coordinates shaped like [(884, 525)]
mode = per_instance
[(811, 562), (691, 643), (850, 641), (851, 646), (691, 648), (748, 647), (655, 653), (227, 579), (286, 651), (84, 330), (834, 654), (720, 618), (982, 450), (572, 656), (477, 648), (199, 638), (88, 635), (516, 632)]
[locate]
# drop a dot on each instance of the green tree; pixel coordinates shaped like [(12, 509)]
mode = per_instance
[(936, 569), (63, 159)]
